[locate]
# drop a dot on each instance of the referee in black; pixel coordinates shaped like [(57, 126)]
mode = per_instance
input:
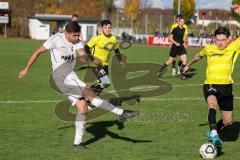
[(178, 48)]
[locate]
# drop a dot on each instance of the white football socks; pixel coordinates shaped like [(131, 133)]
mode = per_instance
[(98, 102), (173, 72), (117, 111), (79, 130)]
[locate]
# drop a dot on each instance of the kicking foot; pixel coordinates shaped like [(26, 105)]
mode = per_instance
[(215, 139), (127, 114)]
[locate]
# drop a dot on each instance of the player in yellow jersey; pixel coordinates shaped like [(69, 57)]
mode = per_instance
[(176, 69), (217, 87), (100, 47)]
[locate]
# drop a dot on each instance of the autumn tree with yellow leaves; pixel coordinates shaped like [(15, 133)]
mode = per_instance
[(131, 8), (187, 8)]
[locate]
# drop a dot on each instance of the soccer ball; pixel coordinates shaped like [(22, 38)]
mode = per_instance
[(208, 151)]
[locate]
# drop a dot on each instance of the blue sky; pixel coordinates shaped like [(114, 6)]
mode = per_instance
[(220, 4)]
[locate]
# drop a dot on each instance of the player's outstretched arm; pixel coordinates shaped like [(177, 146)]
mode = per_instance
[(31, 60), (195, 59), (119, 57), (88, 51), (83, 55), (95, 60)]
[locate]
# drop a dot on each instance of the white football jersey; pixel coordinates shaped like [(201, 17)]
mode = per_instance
[(62, 50)]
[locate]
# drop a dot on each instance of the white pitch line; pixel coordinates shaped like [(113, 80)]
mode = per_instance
[(153, 87), (141, 99), (31, 101), (176, 99), (170, 99), (113, 91)]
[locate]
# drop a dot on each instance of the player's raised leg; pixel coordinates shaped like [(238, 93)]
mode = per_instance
[(101, 103)]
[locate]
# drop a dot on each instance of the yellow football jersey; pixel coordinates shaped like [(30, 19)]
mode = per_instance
[(101, 46), (220, 63)]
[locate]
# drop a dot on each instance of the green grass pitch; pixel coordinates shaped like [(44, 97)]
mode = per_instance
[(170, 126)]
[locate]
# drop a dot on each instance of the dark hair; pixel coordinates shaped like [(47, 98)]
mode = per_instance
[(74, 15), (179, 16), (222, 30), (105, 22), (73, 27)]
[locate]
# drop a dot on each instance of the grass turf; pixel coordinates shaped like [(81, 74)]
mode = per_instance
[(168, 127)]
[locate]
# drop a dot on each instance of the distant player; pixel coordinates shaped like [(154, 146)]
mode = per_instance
[(63, 48), (217, 87), (100, 47), (178, 47), (73, 19), (176, 69)]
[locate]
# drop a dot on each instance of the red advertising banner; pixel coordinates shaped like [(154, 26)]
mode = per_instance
[(162, 41), (192, 41)]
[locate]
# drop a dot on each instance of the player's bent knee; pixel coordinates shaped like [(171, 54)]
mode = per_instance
[(212, 102), (83, 110), (212, 105), (82, 106), (89, 94)]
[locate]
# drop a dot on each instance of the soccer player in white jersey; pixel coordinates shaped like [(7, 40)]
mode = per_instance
[(63, 48)]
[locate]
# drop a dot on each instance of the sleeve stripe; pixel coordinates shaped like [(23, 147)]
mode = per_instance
[(54, 55)]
